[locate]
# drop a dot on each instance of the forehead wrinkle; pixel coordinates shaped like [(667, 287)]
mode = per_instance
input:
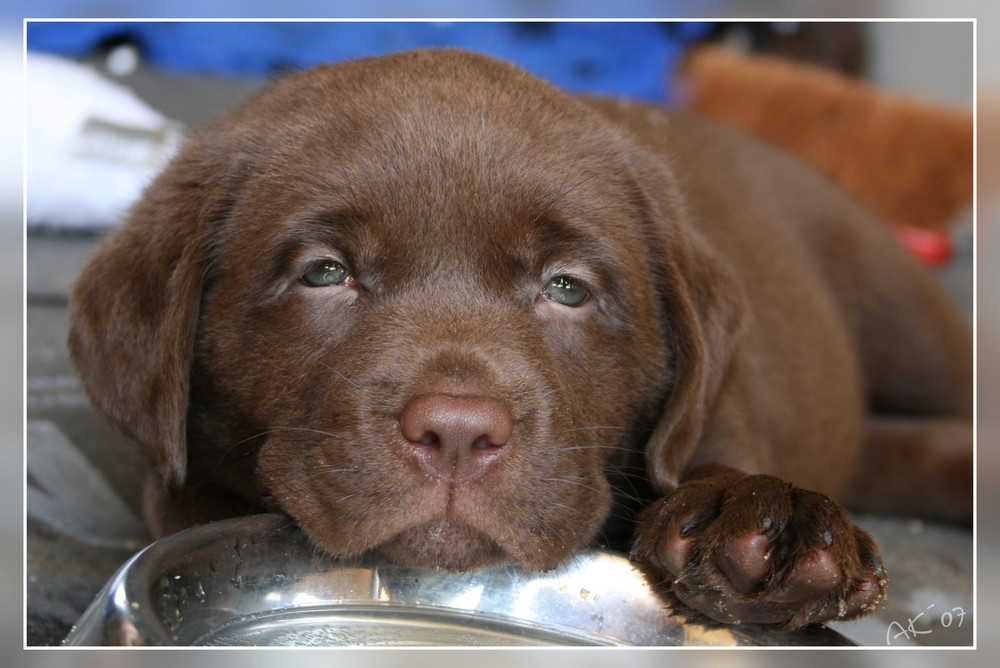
[(270, 247), (351, 239), (570, 245)]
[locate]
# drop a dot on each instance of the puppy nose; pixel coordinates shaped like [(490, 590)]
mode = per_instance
[(455, 436)]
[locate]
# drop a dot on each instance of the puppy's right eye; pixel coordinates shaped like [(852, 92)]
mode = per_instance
[(326, 273), (566, 291)]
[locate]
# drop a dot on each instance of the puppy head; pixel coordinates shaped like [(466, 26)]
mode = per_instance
[(422, 303)]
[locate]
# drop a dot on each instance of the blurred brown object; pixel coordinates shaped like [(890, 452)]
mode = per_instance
[(835, 45), (988, 157), (908, 159)]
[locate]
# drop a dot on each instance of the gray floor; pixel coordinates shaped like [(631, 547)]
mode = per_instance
[(83, 493)]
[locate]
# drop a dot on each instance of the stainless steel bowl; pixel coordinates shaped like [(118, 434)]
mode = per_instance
[(258, 581)]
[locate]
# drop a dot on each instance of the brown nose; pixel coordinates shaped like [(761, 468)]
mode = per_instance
[(455, 436)]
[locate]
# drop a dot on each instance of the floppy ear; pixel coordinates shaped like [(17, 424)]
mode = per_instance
[(134, 314), (703, 310)]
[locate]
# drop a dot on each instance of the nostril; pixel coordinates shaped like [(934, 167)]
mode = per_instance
[(430, 439), (484, 443)]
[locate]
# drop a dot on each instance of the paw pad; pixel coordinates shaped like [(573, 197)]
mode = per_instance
[(758, 550)]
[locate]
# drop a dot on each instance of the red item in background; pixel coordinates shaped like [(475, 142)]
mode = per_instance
[(931, 246)]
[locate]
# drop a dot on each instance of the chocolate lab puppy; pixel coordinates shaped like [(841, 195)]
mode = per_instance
[(431, 306)]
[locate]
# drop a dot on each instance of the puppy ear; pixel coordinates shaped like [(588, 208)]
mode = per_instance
[(703, 309), (134, 314)]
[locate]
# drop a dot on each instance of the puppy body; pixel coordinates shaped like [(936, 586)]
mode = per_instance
[(439, 392)]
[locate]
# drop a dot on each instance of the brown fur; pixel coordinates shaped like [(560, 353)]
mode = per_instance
[(909, 160), (744, 317)]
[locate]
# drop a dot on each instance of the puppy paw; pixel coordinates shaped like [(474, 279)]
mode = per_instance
[(752, 548)]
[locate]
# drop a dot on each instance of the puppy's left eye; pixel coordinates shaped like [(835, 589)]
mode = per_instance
[(566, 291), (328, 272)]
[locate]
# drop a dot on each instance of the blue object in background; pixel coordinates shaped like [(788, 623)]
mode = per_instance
[(627, 58)]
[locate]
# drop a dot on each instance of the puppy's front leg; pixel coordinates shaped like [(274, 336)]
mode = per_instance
[(733, 547)]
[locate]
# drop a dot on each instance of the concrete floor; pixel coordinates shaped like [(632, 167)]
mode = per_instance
[(83, 493)]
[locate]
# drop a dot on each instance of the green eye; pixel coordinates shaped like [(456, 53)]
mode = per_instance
[(328, 272), (566, 291)]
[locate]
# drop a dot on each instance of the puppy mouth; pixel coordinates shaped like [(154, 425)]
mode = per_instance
[(444, 543), (441, 532), (461, 537), (453, 532)]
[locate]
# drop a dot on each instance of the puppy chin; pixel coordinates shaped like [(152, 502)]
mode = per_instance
[(444, 544)]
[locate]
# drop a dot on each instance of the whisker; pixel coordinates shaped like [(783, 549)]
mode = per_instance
[(281, 527), (618, 516), (342, 375), (306, 429), (268, 432), (635, 497), (595, 427), (561, 388), (627, 490), (571, 482), (634, 477), (598, 447), (277, 429), (325, 471), (562, 505), (635, 473)]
